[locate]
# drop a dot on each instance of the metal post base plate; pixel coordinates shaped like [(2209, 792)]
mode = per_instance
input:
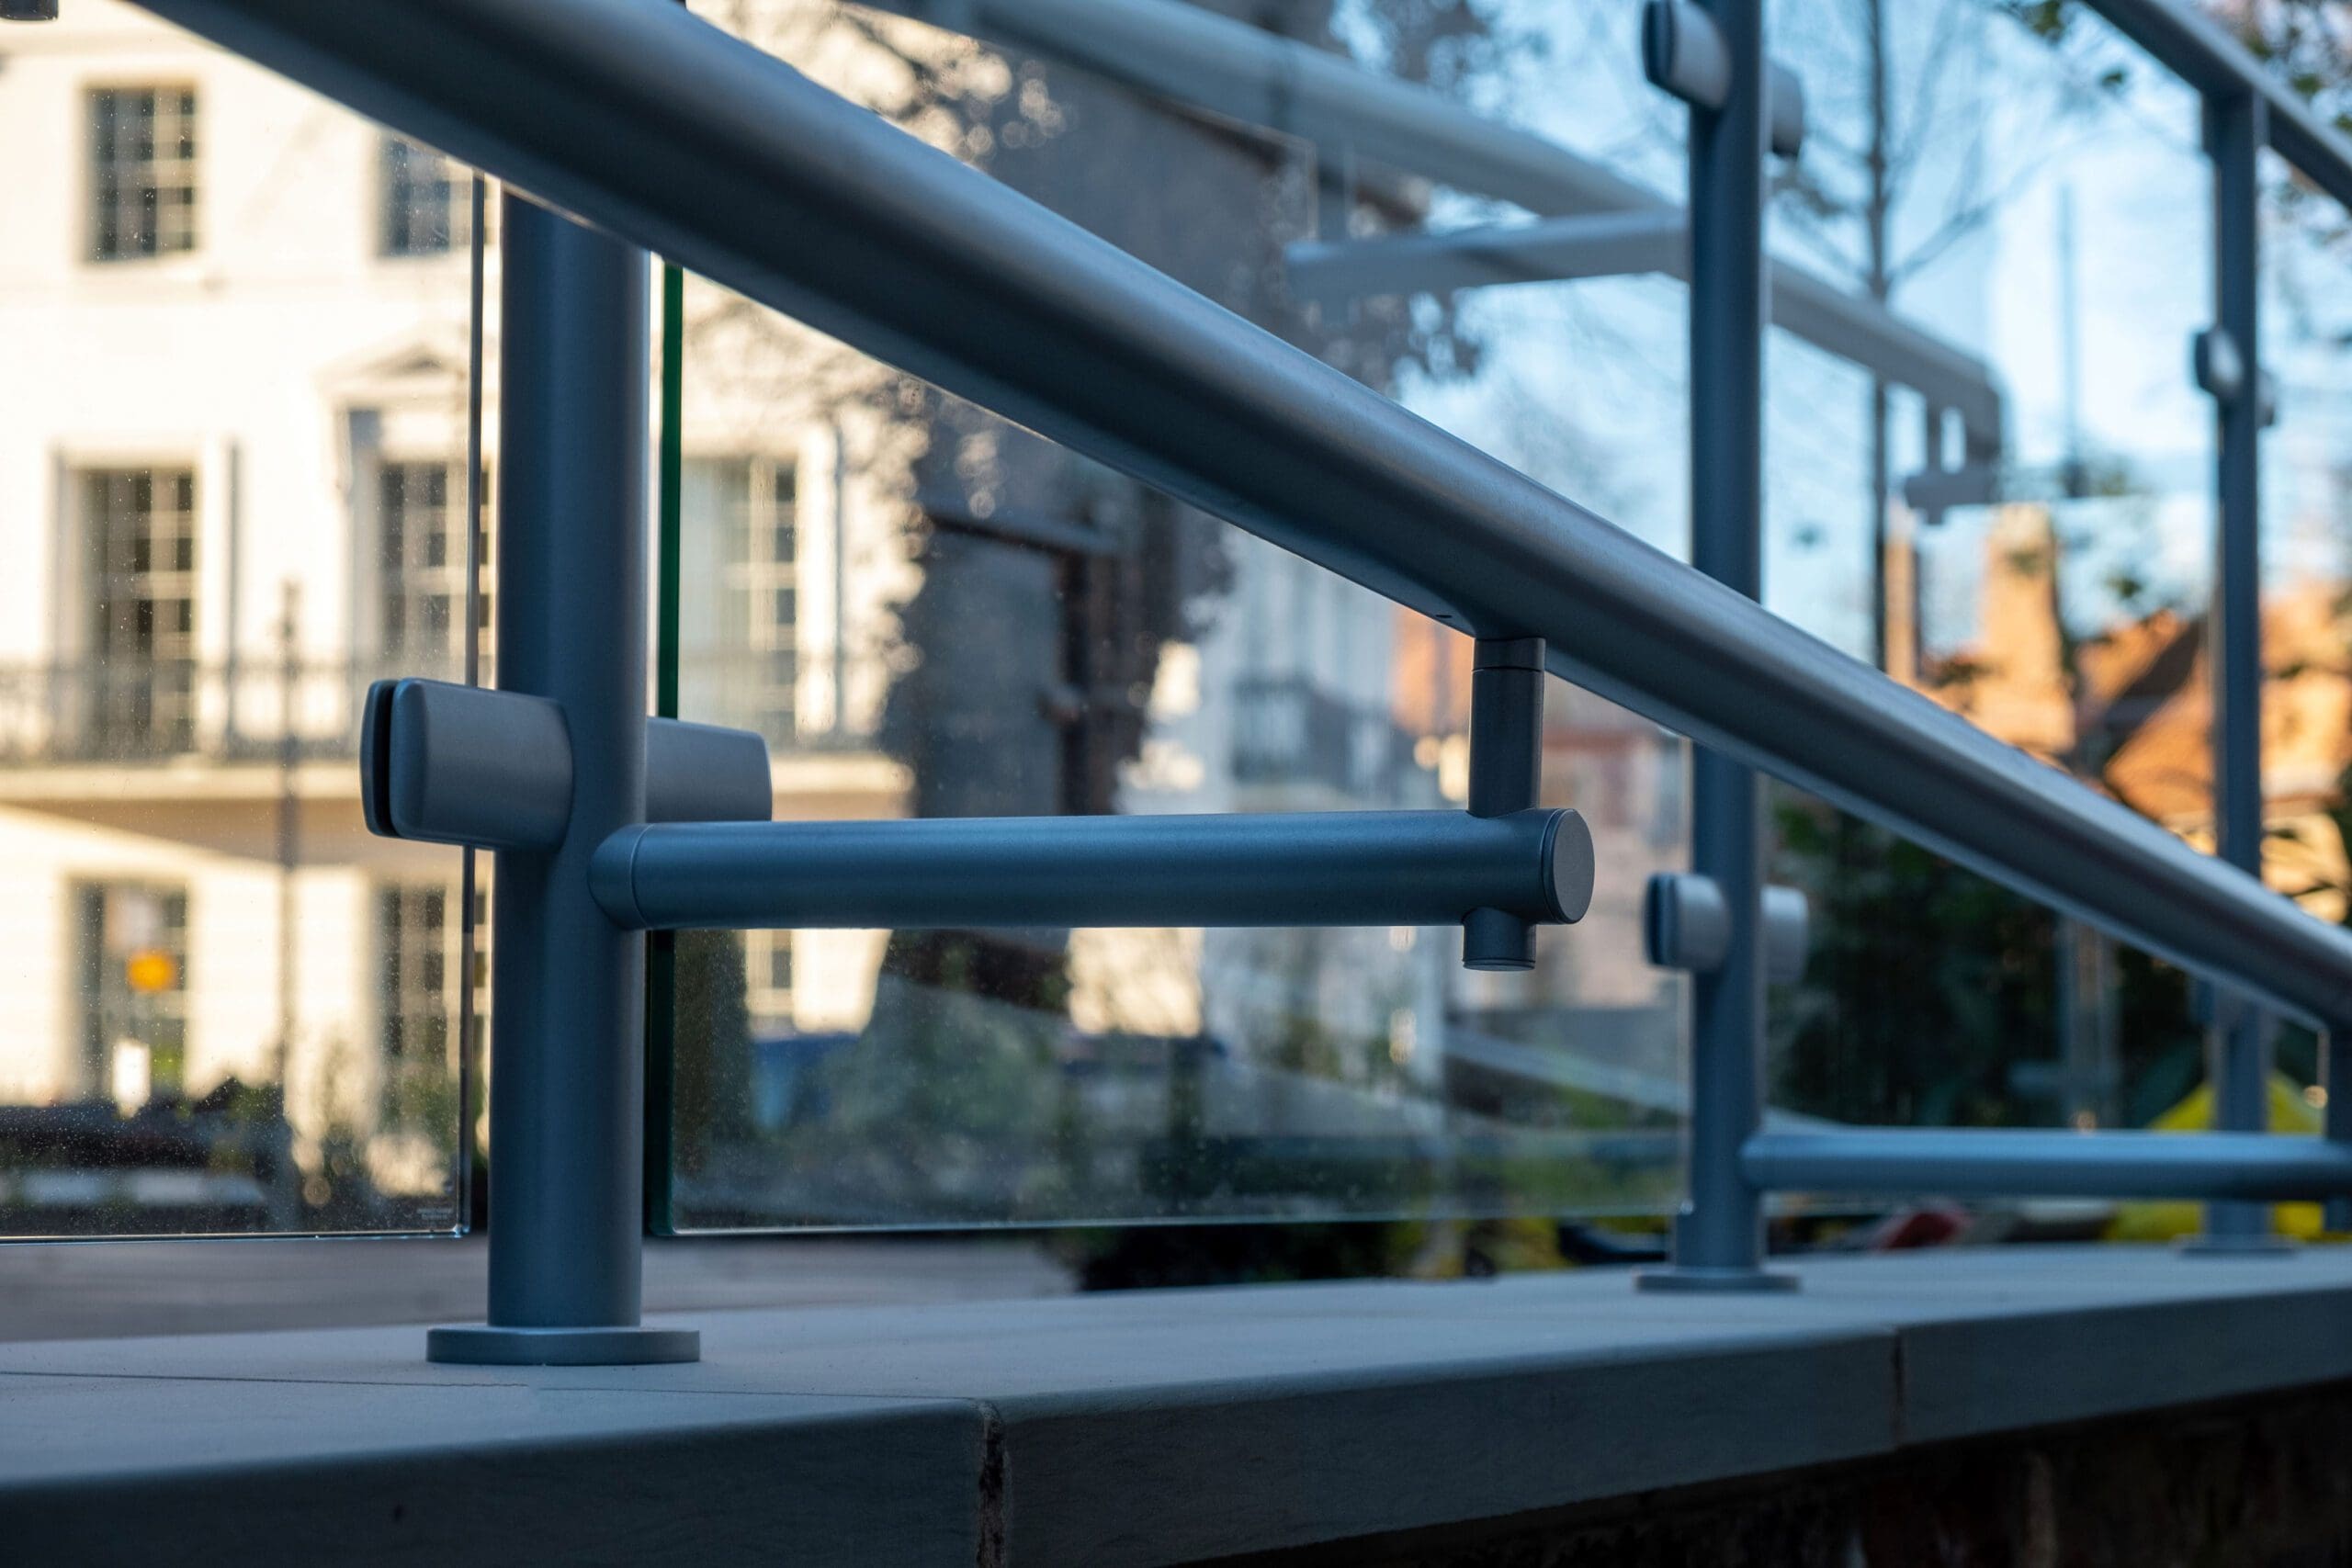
[(489, 1344), (1691, 1278)]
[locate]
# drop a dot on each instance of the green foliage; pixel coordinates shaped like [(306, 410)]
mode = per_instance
[(1927, 984), (1930, 985)]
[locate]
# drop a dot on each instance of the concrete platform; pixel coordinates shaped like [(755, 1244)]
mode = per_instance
[(1142, 1428), (110, 1288)]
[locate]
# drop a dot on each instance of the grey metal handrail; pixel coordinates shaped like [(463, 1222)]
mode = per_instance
[(1185, 54), (2208, 59), (933, 268), (2005, 1162), (669, 133)]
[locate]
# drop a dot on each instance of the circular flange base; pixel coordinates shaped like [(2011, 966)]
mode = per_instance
[(492, 1344), (1672, 1278)]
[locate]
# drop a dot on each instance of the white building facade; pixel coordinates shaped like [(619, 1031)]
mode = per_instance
[(232, 493)]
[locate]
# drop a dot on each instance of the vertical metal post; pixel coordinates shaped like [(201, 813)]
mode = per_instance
[(1506, 776), (2335, 1077), (567, 1107), (1719, 1235), (2239, 1037), (289, 817), (470, 1059)]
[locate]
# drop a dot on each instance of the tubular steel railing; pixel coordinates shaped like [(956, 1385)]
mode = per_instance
[(667, 133)]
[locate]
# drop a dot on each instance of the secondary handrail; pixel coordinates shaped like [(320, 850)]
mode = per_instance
[(774, 187)]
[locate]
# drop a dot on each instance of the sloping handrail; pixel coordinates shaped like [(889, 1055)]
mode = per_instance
[(666, 130), (643, 120)]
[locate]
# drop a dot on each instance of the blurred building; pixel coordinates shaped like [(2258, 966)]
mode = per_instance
[(2130, 708), (232, 487), (1594, 1016), (233, 439)]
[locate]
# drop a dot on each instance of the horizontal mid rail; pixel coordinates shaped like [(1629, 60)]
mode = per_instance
[(1322, 868), (2014, 1163), (646, 119)]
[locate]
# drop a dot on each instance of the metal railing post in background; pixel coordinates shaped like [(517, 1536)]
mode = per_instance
[(567, 1108), (1719, 1235), (2335, 1078), (2229, 366)]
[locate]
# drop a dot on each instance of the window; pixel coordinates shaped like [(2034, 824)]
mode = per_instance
[(420, 560), (767, 980), (140, 525), (427, 202), (142, 172), (416, 942), (419, 960), (481, 968), (755, 504), (132, 975)]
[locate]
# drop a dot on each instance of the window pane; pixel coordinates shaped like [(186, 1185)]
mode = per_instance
[(425, 205), (142, 172)]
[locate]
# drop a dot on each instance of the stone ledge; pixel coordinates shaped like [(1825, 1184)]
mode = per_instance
[(1134, 1429)]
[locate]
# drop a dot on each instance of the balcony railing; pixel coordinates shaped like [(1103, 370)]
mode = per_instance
[(244, 711), (142, 714)]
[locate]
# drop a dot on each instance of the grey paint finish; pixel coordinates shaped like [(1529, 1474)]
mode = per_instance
[(934, 268), (1263, 1469), (2037, 1162), (1965, 1375), (1553, 249), (1371, 868), (1189, 55), (1650, 240), (2239, 1048), (567, 1198), (1719, 1234), (1129, 1429), (705, 773), (474, 765), (160, 1472), (2210, 58)]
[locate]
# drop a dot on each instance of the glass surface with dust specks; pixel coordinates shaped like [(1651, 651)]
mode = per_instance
[(930, 612), (233, 460)]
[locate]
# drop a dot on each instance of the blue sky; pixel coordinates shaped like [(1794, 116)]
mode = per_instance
[(1583, 382)]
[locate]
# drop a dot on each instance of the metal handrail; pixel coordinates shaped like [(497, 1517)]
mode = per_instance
[(2208, 59), (1186, 54), (932, 266)]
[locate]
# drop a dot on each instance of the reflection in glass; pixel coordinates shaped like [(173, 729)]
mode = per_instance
[(142, 170), (2307, 551), (232, 494), (928, 612), (2306, 491), (2029, 189)]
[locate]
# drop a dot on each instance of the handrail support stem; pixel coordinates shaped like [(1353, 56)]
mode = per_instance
[(1719, 1234), (1506, 777)]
